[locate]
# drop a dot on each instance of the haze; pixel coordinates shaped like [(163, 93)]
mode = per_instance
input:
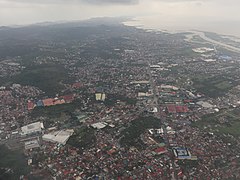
[(211, 15)]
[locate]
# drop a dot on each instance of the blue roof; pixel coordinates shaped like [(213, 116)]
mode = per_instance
[(225, 57), (40, 103)]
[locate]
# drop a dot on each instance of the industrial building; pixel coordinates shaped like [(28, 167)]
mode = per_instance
[(60, 137), (33, 128)]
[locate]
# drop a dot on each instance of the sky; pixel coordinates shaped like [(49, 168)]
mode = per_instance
[(214, 15)]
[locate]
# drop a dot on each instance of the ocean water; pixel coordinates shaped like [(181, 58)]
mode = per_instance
[(182, 25)]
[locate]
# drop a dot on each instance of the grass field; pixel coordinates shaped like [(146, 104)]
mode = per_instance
[(230, 126), (62, 113), (14, 160), (234, 129), (55, 111), (213, 86)]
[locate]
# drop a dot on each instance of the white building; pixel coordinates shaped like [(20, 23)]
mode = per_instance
[(100, 96), (36, 127), (169, 87), (31, 144), (60, 137), (99, 125), (205, 104)]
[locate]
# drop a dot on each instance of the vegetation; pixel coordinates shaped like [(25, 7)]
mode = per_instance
[(188, 52), (61, 115), (112, 99), (233, 129), (131, 134), (57, 110), (83, 138), (46, 77), (223, 122), (213, 86), (13, 160)]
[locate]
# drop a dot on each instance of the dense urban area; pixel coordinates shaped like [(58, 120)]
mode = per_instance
[(101, 100)]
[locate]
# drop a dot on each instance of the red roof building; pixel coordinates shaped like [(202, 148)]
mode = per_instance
[(187, 100), (48, 102), (171, 109), (160, 150), (58, 101), (77, 85), (30, 105), (182, 109), (68, 98)]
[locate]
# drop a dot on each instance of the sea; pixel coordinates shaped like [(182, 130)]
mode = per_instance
[(158, 23)]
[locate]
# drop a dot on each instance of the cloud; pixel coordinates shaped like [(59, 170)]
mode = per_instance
[(97, 2), (94, 2), (111, 1)]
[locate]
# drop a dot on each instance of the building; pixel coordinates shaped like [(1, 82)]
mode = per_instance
[(60, 137), (160, 150), (205, 104), (77, 85), (181, 153), (30, 105), (68, 98), (33, 128), (169, 87), (31, 144), (39, 103), (58, 101), (99, 125), (51, 101), (100, 96), (48, 102), (140, 82)]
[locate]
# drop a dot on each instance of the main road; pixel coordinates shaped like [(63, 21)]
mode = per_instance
[(163, 120)]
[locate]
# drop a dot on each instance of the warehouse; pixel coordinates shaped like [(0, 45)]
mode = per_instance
[(33, 128), (60, 137)]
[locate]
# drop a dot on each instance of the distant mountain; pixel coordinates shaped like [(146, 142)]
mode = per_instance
[(4, 27), (89, 22), (19, 41)]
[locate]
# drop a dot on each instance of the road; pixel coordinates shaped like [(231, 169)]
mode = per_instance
[(163, 119)]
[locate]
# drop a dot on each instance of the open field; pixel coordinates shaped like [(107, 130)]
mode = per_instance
[(14, 160), (213, 86), (223, 122)]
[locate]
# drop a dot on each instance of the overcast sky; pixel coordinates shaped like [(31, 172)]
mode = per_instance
[(215, 14)]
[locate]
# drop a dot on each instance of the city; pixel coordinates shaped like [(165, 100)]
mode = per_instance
[(117, 102)]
